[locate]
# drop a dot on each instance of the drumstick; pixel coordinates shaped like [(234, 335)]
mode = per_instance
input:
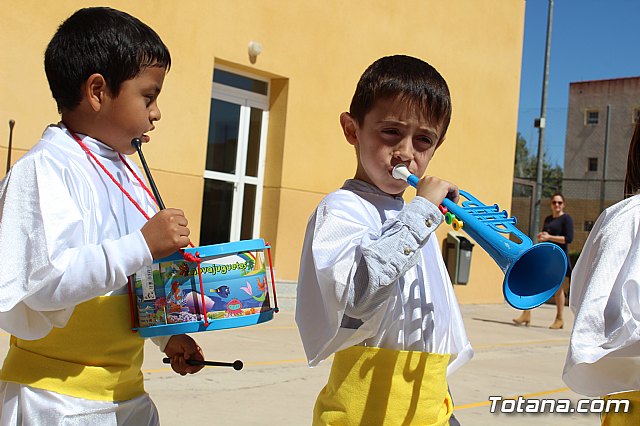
[(237, 364), (137, 143)]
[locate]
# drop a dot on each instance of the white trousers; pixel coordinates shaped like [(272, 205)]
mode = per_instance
[(22, 405)]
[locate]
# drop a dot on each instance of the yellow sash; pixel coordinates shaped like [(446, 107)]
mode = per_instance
[(374, 386), (632, 418), (95, 356)]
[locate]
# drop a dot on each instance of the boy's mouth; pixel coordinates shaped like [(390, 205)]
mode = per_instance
[(391, 171), (145, 138)]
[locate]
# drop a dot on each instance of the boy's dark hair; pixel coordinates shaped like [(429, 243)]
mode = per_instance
[(100, 40), (409, 79), (632, 178), (558, 194)]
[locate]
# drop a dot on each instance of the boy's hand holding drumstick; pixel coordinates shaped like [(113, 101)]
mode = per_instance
[(182, 348), (166, 232)]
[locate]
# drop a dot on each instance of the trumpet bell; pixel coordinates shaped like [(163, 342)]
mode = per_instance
[(534, 276)]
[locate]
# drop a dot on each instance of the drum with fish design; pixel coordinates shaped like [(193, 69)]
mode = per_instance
[(169, 298)]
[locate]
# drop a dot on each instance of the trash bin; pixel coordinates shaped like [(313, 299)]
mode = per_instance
[(458, 257)]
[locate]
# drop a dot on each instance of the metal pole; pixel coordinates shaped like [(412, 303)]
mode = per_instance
[(12, 123), (604, 161), (533, 230)]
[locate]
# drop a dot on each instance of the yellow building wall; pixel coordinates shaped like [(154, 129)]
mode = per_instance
[(314, 53)]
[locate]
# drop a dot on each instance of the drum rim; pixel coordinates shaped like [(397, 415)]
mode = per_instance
[(221, 249), (198, 326)]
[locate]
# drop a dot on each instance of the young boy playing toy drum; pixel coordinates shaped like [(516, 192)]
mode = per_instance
[(373, 288), (70, 235)]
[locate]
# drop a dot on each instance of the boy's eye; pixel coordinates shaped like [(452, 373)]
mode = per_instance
[(390, 131), (423, 143)]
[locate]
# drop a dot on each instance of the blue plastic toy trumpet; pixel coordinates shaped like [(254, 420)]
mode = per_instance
[(533, 273)]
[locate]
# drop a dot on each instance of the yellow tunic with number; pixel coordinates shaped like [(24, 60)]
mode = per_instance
[(374, 291)]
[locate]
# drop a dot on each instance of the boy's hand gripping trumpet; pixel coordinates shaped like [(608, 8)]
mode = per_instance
[(533, 273)]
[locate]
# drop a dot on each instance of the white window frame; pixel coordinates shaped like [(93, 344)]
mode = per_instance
[(246, 100)]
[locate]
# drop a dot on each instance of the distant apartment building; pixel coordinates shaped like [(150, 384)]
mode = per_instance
[(600, 122)]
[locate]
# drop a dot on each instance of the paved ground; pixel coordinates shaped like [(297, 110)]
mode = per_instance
[(277, 387)]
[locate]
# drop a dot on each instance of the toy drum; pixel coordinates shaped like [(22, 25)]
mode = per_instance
[(208, 288)]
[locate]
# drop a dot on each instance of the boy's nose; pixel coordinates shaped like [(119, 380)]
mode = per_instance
[(404, 150), (155, 114)]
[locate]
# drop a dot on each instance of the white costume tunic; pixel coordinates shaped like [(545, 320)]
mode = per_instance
[(67, 235), (371, 274), (604, 351)]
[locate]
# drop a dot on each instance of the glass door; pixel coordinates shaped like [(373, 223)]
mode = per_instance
[(234, 169)]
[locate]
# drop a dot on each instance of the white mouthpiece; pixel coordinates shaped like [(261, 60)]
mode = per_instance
[(401, 172)]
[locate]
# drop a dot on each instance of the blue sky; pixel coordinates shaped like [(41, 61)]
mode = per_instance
[(590, 40)]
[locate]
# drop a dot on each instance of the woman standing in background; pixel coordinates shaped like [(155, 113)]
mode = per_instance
[(557, 229)]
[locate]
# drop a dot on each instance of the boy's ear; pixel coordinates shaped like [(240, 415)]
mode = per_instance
[(349, 128), (95, 91)]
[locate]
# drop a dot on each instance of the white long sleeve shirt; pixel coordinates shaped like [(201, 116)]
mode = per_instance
[(604, 350), (67, 232), (372, 274)]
